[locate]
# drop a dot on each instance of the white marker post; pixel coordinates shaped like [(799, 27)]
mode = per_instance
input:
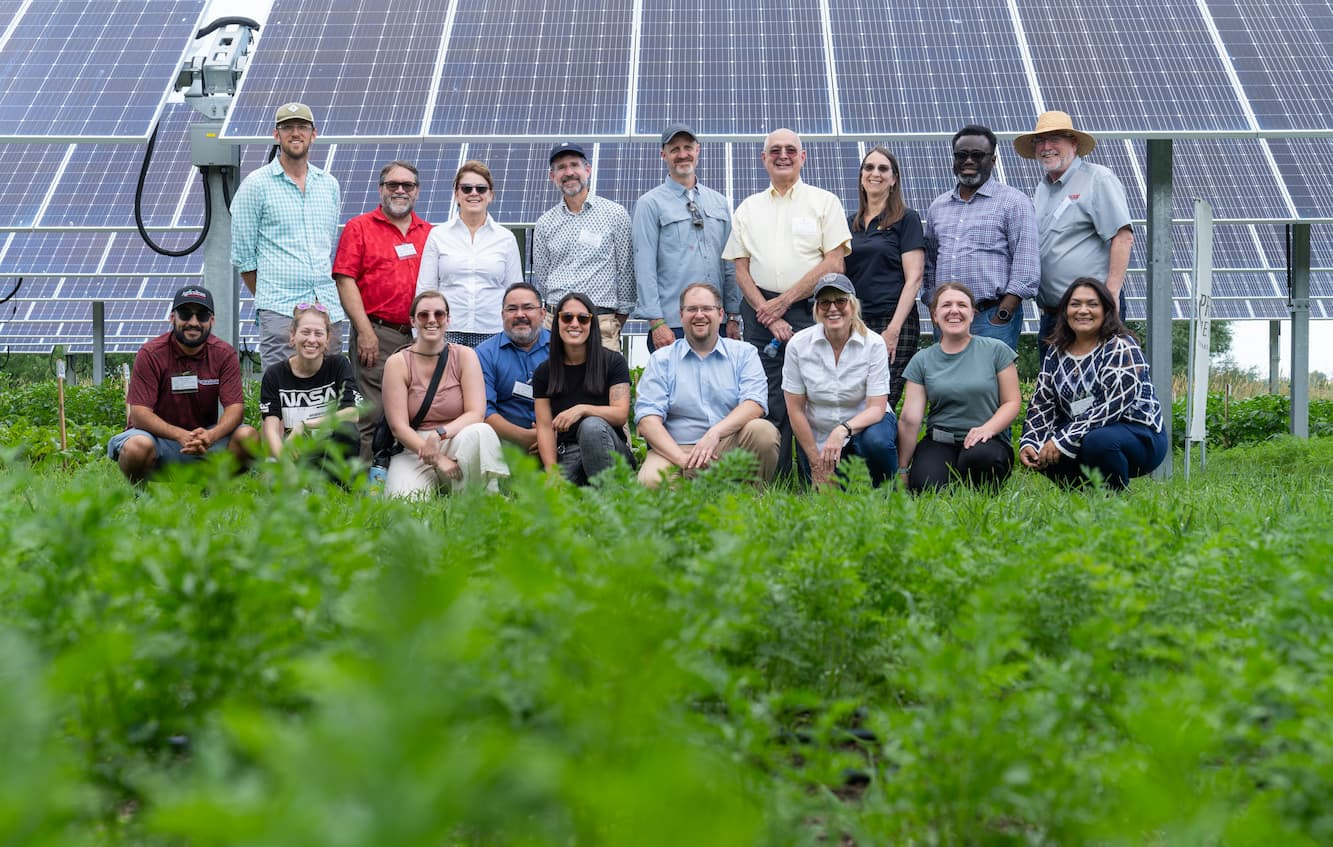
[(60, 401), (1196, 405)]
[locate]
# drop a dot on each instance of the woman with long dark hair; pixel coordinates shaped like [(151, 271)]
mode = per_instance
[(887, 261), (581, 395), (1094, 405)]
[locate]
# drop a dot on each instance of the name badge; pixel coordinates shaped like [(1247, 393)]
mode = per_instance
[(186, 384), (1080, 406), (523, 389), (804, 226), (590, 239), (405, 251)]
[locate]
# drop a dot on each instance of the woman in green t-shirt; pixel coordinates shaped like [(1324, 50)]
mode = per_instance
[(971, 386)]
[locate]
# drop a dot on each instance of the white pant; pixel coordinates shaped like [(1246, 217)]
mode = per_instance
[(477, 451)]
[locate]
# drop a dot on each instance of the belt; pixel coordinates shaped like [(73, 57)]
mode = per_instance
[(983, 305), (404, 329), (596, 310)]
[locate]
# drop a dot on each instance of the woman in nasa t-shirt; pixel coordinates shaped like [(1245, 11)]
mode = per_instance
[(301, 392)]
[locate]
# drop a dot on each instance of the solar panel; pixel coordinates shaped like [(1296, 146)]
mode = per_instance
[(523, 188), (1282, 51), (625, 172), (28, 173), (1304, 163), (928, 66), (364, 72), (90, 68), (1128, 65), (530, 67), (732, 67)]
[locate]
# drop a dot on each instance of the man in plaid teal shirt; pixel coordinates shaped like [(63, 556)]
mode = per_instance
[(283, 230)]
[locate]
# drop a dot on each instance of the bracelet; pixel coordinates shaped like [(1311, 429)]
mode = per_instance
[(653, 325)]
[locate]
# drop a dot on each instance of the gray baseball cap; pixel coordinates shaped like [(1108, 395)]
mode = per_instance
[(676, 129), (838, 281)]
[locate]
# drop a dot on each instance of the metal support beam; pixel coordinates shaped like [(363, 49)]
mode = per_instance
[(221, 164), (1274, 355), (99, 342), (1159, 280), (1298, 270)]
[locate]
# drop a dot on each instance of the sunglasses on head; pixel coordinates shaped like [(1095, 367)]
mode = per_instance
[(426, 314), (569, 317), (310, 307)]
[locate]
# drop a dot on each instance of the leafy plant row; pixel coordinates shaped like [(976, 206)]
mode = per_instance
[(270, 661)]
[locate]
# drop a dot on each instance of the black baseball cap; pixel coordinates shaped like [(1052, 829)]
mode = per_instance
[(193, 295)]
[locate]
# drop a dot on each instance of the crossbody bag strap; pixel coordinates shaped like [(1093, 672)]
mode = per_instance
[(430, 389)]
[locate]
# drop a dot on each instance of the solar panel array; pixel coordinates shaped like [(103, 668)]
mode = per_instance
[(438, 82)]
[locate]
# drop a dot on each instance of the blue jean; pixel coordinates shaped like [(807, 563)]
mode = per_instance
[(168, 451), (877, 444), (1120, 451), (1008, 333), (593, 452)]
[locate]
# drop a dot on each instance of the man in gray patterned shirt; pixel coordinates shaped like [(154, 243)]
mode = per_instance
[(584, 244)]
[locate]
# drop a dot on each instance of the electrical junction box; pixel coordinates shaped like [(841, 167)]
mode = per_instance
[(208, 149)]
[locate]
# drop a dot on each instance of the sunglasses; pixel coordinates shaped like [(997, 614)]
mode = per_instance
[(569, 317), (474, 189), (871, 167), (400, 186), (186, 313), (310, 307), (696, 218), (840, 302), (970, 155), (425, 315)]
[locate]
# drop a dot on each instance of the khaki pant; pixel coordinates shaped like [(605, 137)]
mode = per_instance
[(759, 437), (370, 381), (608, 324)]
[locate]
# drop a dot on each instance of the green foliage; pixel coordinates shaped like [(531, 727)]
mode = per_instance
[(1219, 341), (271, 660), (1235, 422)]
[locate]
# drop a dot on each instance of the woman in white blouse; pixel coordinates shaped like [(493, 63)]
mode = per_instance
[(471, 259), (836, 384)]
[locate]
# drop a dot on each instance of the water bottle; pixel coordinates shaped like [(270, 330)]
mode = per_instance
[(771, 351), (377, 474)]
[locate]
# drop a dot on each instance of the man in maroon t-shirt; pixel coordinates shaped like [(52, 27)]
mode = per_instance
[(376, 268), (175, 387)]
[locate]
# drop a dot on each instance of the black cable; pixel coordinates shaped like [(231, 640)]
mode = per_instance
[(11, 295), (228, 21), (138, 205)]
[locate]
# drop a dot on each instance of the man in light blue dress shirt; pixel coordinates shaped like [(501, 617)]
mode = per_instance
[(680, 228), (703, 396), (284, 223)]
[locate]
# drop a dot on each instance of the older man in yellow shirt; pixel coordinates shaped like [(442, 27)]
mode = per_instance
[(783, 239)]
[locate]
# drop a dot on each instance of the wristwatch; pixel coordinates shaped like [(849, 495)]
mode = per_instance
[(1003, 314), (442, 432)]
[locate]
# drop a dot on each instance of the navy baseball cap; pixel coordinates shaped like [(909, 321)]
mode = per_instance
[(567, 147)]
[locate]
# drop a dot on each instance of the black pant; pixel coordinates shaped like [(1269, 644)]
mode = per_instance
[(800, 317), (935, 464)]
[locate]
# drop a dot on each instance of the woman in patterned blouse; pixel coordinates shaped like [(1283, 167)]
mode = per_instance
[(1094, 404)]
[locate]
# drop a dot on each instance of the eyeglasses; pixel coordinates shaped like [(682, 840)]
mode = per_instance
[(870, 167), (1052, 136), (696, 219), (569, 317), (514, 308), (425, 315), (969, 155), (478, 189), (306, 307), (292, 126), (699, 310), (401, 186), (788, 150), (826, 302), (187, 314)]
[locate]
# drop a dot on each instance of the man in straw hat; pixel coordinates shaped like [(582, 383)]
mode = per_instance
[(1081, 215)]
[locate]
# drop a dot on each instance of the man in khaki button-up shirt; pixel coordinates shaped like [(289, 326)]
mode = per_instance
[(783, 239)]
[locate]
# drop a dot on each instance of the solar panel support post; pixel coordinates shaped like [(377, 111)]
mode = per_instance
[(99, 342), (1159, 280), (1299, 271), (219, 274)]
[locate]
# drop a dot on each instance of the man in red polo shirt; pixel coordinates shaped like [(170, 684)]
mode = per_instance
[(376, 268), (175, 387)]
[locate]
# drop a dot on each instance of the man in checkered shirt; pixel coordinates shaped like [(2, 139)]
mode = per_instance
[(584, 244)]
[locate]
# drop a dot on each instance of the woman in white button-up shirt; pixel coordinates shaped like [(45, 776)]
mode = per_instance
[(836, 383), (471, 259)]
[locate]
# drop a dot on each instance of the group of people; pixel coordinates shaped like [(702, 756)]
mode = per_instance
[(788, 328)]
